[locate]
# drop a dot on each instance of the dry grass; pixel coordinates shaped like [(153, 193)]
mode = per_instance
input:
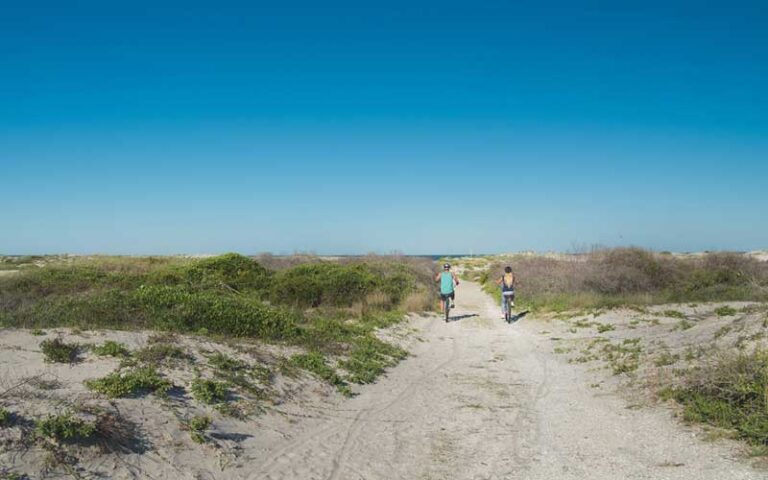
[(631, 276), (421, 301)]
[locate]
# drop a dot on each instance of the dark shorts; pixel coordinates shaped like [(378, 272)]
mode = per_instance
[(446, 296)]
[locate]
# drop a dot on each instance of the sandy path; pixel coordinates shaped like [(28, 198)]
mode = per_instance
[(480, 399)]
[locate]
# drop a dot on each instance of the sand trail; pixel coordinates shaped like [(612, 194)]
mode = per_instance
[(480, 399)]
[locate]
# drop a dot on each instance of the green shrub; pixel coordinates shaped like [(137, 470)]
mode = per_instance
[(729, 393), (182, 310), (58, 351), (129, 383), (674, 314), (230, 270), (37, 332), (64, 427), (209, 391), (318, 284), (110, 349)]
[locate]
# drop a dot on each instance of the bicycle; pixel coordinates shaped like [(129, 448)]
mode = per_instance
[(509, 301), (446, 305)]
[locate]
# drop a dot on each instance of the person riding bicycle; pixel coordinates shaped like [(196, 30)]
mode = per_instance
[(507, 282), (447, 281)]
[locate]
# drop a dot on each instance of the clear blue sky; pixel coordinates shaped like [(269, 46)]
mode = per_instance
[(348, 127)]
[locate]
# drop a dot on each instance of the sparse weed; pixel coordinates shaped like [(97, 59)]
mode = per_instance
[(623, 357), (157, 353), (604, 327), (369, 358), (666, 358), (722, 331), (683, 324), (674, 314), (315, 363), (197, 427), (110, 349), (725, 311)]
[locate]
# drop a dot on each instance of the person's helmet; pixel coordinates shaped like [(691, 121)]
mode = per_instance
[(508, 269), (447, 266)]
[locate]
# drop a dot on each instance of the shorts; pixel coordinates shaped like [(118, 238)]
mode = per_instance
[(446, 296)]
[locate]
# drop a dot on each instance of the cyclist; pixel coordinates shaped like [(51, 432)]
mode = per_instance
[(507, 282), (447, 281)]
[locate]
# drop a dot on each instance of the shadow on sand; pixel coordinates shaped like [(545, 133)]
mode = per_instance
[(518, 317), (456, 318)]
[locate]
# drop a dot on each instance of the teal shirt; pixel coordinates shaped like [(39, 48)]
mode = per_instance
[(446, 283)]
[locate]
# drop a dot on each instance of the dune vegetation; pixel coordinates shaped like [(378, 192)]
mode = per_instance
[(325, 307), (626, 276)]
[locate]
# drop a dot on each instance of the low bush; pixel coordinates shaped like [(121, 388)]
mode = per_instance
[(58, 351), (230, 270), (318, 284), (64, 427), (181, 310), (130, 382), (209, 392)]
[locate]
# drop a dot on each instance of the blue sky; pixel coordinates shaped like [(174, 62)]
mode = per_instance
[(349, 127)]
